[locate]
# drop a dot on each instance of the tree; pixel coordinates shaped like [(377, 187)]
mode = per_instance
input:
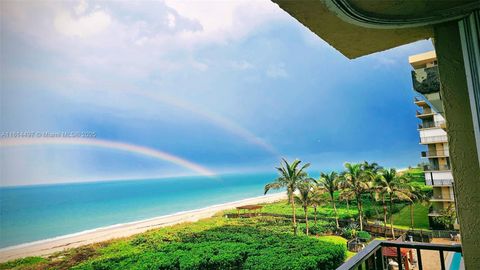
[(347, 197), (329, 183), (317, 200), (447, 217), (394, 186), (372, 171), (353, 180), (290, 176), (416, 195), (305, 198)]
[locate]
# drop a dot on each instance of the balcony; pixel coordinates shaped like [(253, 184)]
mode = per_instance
[(440, 198), (376, 255), (429, 168), (434, 139), (435, 124), (425, 113), (436, 153), (439, 182), (426, 80), (419, 101)]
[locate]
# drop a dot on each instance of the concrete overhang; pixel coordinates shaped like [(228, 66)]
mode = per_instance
[(361, 27), (419, 60)]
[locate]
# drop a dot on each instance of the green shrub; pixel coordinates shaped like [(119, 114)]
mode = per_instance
[(363, 235), (24, 262)]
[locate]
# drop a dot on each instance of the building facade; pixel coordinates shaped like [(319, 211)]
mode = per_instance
[(433, 135)]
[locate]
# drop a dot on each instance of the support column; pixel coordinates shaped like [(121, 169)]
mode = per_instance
[(461, 138)]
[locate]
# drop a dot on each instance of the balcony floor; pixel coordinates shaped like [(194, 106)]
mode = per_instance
[(431, 259)]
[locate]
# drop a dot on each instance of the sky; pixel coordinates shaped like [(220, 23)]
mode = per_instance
[(168, 88)]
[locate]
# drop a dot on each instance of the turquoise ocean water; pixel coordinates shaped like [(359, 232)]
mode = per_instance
[(33, 213)]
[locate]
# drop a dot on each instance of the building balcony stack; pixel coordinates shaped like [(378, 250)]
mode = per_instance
[(433, 133)]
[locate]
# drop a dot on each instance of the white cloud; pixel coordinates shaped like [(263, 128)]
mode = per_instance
[(83, 26), (222, 21), (277, 71), (171, 20), (81, 7)]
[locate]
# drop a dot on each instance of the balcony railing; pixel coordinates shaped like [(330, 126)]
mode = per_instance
[(424, 112), (439, 182), (433, 124), (374, 256), (436, 168), (442, 198), (434, 139), (436, 153), (426, 80)]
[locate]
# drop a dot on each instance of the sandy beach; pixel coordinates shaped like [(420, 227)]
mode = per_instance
[(49, 246)]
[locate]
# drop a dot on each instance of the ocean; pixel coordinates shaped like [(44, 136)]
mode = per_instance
[(33, 213)]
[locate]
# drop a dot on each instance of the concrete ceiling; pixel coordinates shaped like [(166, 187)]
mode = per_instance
[(355, 36)]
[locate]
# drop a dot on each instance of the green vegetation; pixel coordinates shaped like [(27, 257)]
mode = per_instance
[(447, 217), (215, 243), (368, 185), (420, 217), (24, 262), (328, 183), (290, 177)]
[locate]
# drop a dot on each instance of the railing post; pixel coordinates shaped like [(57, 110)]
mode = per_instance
[(399, 259), (442, 260), (419, 259)]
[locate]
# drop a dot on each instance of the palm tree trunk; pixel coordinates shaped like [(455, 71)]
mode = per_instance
[(391, 217), (315, 216), (334, 210), (411, 215), (384, 215), (306, 219), (294, 218), (359, 206), (374, 204)]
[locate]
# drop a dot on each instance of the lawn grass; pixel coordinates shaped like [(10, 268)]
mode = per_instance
[(420, 216), (401, 219)]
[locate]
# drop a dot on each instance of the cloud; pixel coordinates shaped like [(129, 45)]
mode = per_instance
[(171, 20), (81, 7), (83, 26), (277, 71), (223, 21)]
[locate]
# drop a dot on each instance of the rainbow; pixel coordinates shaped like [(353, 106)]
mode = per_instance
[(126, 147), (218, 120)]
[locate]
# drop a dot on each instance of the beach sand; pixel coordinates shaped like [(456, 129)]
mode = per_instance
[(49, 246)]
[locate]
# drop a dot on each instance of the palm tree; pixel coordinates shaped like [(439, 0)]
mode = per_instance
[(345, 196), (416, 195), (304, 198), (395, 187), (290, 176), (353, 180), (317, 200), (329, 183), (372, 171)]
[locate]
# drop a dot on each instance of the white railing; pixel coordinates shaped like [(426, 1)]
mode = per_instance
[(439, 182), (433, 139)]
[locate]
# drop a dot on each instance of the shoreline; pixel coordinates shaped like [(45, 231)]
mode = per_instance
[(60, 243)]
